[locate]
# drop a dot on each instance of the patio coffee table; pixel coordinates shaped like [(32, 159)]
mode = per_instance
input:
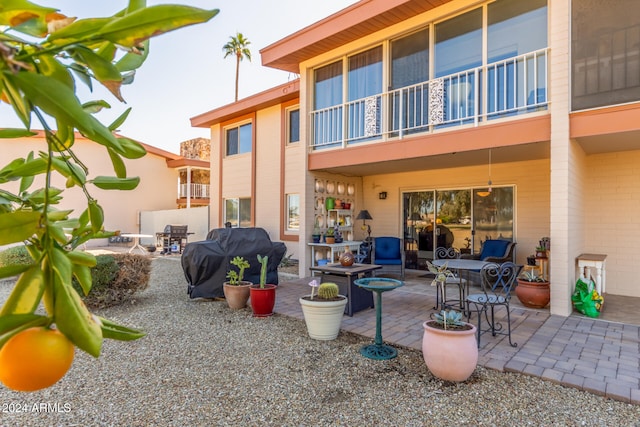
[(358, 298)]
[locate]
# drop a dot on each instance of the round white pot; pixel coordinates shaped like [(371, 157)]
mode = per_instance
[(323, 318)]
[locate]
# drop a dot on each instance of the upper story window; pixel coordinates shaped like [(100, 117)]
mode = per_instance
[(458, 44), (293, 125), (239, 139), (605, 53)]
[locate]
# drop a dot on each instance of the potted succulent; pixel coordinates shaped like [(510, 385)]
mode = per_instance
[(533, 290), (263, 295), (329, 236), (236, 290), (323, 312), (450, 346), (316, 234)]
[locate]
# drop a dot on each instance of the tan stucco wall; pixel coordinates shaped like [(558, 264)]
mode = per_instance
[(157, 189), (612, 219)]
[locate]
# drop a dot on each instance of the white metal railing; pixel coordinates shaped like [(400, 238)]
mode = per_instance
[(503, 88), (198, 191)]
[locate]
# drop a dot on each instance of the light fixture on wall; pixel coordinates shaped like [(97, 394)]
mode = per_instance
[(489, 189), (382, 195)]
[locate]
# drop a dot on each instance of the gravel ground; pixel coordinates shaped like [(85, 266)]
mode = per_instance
[(203, 364)]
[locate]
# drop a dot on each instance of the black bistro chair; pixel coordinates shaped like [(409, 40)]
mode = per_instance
[(455, 281), (497, 282)]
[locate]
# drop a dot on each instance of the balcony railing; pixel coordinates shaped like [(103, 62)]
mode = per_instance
[(504, 88), (198, 191)]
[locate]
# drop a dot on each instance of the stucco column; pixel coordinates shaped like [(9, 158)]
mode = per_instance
[(566, 165)]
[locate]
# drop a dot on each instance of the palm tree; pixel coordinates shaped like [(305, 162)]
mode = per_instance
[(237, 46)]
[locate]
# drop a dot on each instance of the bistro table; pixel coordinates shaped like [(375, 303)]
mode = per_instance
[(358, 298), (378, 350), (465, 265), (136, 241)]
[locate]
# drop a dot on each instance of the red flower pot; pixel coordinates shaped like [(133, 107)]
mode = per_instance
[(263, 300)]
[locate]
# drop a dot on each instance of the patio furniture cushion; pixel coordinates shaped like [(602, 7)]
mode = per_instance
[(388, 251)]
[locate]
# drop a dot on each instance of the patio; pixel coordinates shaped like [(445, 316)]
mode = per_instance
[(601, 355)]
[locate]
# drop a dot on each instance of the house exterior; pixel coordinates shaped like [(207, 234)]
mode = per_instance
[(159, 189), (451, 122)]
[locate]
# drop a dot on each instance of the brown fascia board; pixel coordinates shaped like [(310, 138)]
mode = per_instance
[(184, 162), (354, 22), (267, 98)]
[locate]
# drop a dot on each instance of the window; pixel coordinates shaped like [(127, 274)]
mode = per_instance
[(327, 119), (239, 139), (459, 43), (293, 126), (365, 81), (237, 212), (293, 212)]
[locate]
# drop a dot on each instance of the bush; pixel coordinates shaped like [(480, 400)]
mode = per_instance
[(16, 255), (116, 278)]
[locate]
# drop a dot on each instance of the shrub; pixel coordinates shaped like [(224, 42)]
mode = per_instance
[(16, 255), (116, 278)]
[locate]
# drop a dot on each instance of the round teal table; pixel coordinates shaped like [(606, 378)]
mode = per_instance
[(378, 350)]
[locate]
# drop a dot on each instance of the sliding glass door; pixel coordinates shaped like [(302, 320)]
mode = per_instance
[(461, 218)]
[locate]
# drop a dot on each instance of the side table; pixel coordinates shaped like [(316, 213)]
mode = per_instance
[(378, 350)]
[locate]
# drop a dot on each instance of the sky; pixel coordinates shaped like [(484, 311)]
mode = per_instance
[(186, 73)]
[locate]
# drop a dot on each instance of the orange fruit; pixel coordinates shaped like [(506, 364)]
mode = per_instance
[(35, 358)]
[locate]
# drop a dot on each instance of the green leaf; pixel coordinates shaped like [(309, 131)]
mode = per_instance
[(93, 107), (82, 273), (14, 323), (13, 270), (18, 226), (30, 168), (26, 293), (82, 258), (104, 71), (78, 30), (71, 315), (136, 27), (114, 331), (133, 60), (21, 13), (96, 216), (118, 164), (49, 66), (16, 133), (17, 101), (120, 120), (113, 183), (131, 149), (57, 100)]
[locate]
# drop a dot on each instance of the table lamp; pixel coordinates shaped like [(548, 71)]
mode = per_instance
[(364, 215)]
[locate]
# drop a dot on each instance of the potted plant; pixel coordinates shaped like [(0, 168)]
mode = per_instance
[(236, 290), (263, 295), (323, 313), (533, 290), (450, 346), (329, 236), (316, 234)]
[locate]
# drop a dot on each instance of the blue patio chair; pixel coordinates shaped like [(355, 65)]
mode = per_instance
[(497, 282), (388, 251)]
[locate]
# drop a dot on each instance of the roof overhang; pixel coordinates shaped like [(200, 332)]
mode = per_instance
[(274, 96), (352, 23), (183, 162)]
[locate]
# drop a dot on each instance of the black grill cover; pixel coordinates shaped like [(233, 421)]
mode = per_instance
[(206, 263)]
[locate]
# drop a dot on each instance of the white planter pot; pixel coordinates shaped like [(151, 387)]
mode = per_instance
[(323, 318)]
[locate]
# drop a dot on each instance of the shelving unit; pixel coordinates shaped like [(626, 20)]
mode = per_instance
[(344, 219)]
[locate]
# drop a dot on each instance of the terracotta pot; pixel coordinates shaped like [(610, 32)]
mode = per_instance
[(451, 355), (236, 295), (533, 294), (263, 300), (329, 240), (323, 318)]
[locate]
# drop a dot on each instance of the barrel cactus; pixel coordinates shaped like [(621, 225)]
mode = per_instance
[(328, 290)]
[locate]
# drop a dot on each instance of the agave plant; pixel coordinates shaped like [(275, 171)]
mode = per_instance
[(449, 319), (43, 54)]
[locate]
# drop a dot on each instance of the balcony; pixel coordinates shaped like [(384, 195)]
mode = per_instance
[(510, 87), (194, 191)]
